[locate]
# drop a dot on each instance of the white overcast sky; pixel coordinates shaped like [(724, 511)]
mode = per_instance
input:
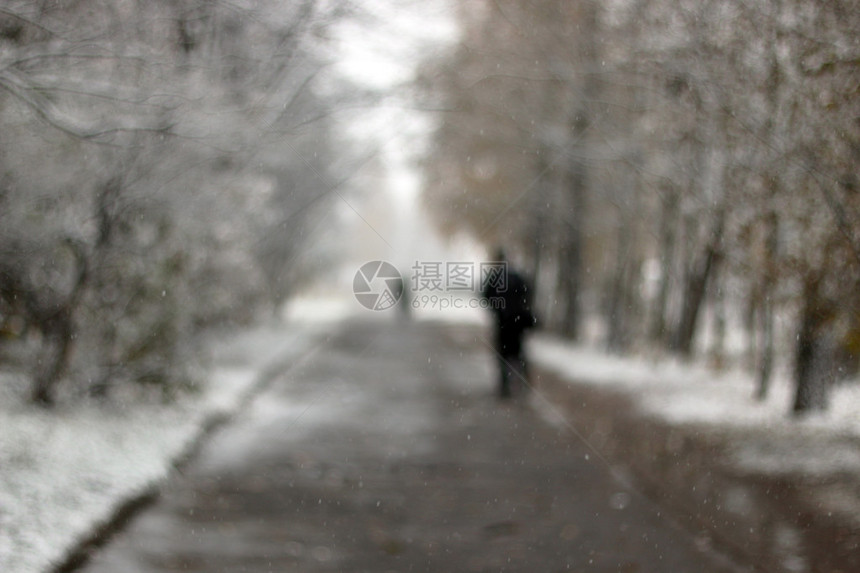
[(382, 50)]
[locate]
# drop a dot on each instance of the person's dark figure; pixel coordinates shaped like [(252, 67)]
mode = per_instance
[(509, 296)]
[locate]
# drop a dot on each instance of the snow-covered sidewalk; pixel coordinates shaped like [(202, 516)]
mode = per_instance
[(64, 473)]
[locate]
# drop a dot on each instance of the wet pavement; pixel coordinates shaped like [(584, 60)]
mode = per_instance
[(385, 449)]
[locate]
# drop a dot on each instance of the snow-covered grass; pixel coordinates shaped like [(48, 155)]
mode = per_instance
[(678, 393), (63, 473)]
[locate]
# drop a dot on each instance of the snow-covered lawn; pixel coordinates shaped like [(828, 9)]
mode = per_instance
[(766, 439), (65, 472)]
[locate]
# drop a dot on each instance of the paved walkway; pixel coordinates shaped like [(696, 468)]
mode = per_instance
[(386, 450)]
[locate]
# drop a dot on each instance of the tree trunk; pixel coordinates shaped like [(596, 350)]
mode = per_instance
[(810, 368), (57, 327), (570, 280), (771, 242), (765, 366), (106, 214), (570, 257), (694, 293), (578, 124), (768, 282), (695, 288), (750, 321), (718, 303), (668, 222), (538, 222), (53, 358), (620, 313), (617, 337)]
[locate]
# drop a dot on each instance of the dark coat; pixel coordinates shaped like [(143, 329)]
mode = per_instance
[(512, 310)]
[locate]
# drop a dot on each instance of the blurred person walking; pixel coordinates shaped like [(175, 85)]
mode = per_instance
[(509, 298)]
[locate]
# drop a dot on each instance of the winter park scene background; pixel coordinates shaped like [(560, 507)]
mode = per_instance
[(188, 189)]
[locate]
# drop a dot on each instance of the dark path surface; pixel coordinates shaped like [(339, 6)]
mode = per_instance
[(386, 450)]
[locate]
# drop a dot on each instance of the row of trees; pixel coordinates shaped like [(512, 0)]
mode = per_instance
[(660, 162), (162, 168)]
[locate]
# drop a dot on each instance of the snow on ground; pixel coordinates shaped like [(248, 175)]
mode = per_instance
[(765, 439), (317, 310), (680, 393), (64, 472), (450, 310)]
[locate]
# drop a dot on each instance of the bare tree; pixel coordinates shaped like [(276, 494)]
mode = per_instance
[(732, 122), (162, 132)]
